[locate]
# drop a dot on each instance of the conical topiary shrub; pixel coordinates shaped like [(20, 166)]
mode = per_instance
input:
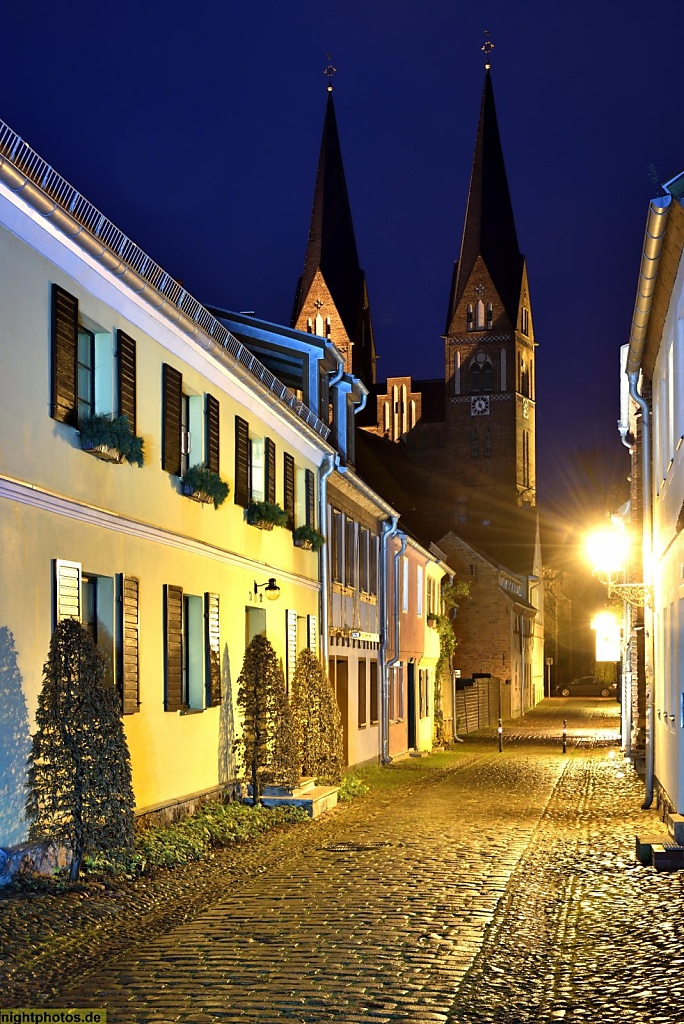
[(317, 719), (268, 747), (79, 777)]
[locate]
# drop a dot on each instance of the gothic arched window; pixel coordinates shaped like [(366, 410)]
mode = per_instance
[(469, 316), (487, 376), (474, 444), (475, 378)]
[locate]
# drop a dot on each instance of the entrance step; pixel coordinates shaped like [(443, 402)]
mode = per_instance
[(668, 856), (645, 844), (315, 800), (675, 826)]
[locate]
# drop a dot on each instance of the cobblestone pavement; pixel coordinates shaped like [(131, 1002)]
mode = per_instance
[(494, 886)]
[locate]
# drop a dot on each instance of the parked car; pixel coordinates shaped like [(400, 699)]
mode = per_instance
[(586, 686)]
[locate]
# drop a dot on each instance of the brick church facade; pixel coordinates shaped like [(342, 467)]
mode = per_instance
[(456, 455)]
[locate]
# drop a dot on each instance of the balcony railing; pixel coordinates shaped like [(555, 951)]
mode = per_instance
[(44, 177)]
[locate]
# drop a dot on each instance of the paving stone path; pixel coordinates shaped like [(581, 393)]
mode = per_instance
[(501, 888)]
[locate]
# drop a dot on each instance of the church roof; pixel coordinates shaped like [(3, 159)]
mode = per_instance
[(489, 229), (332, 243)]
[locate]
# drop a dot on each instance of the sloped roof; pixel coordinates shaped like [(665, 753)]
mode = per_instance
[(489, 228)]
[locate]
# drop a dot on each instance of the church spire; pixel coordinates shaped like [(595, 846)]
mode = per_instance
[(489, 229), (333, 283)]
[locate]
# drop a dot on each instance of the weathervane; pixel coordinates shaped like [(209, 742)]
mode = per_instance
[(330, 71), (487, 49)]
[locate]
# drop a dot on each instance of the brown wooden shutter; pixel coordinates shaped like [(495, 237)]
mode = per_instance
[(270, 463), (212, 416), (289, 489), (172, 397), (310, 498), (374, 565), (64, 345), (242, 495), (67, 590), (173, 647), (290, 646), (312, 633), (125, 373), (129, 669), (212, 637)]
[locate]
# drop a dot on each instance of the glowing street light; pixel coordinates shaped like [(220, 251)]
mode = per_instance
[(607, 551)]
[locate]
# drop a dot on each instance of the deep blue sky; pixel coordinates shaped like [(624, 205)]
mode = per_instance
[(196, 129)]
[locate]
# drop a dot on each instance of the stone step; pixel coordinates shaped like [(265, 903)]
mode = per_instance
[(645, 844), (315, 800), (675, 826), (667, 856)]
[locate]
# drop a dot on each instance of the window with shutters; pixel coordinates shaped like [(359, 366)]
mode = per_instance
[(94, 599), (304, 497), (351, 560), (255, 466), (364, 560), (419, 590), (192, 662), (93, 369), (337, 546), (290, 504), (190, 426), (373, 564), (404, 584)]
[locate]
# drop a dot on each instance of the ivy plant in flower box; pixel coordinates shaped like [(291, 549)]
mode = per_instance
[(307, 537), (111, 439), (265, 515), (203, 484)]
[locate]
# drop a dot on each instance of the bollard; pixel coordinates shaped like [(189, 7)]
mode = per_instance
[(565, 735), (500, 732)]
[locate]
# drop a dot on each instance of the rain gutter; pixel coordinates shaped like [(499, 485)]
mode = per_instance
[(327, 467), (656, 225), (397, 620), (389, 529)]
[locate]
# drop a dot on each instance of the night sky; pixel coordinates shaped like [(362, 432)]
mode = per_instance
[(196, 129)]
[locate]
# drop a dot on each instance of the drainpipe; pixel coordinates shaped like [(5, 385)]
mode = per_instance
[(389, 529), (397, 618), (327, 467), (648, 579), (656, 225)]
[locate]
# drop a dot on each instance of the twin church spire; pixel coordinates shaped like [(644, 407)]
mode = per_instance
[(489, 227), (332, 297)]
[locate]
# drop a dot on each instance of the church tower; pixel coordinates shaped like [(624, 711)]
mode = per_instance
[(489, 345), (332, 298)]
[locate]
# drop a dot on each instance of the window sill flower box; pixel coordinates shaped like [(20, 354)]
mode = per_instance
[(111, 439), (307, 537), (201, 484), (201, 496), (265, 515), (102, 451)]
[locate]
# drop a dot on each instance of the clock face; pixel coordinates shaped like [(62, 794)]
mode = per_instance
[(479, 405)]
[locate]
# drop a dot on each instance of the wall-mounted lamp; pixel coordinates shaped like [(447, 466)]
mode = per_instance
[(271, 589)]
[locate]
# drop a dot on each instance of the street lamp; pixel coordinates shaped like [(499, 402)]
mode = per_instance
[(271, 589), (607, 550)]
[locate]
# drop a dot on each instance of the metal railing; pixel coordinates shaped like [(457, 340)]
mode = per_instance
[(44, 177)]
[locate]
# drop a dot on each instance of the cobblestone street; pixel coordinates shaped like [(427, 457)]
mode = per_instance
[(481, 887)]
